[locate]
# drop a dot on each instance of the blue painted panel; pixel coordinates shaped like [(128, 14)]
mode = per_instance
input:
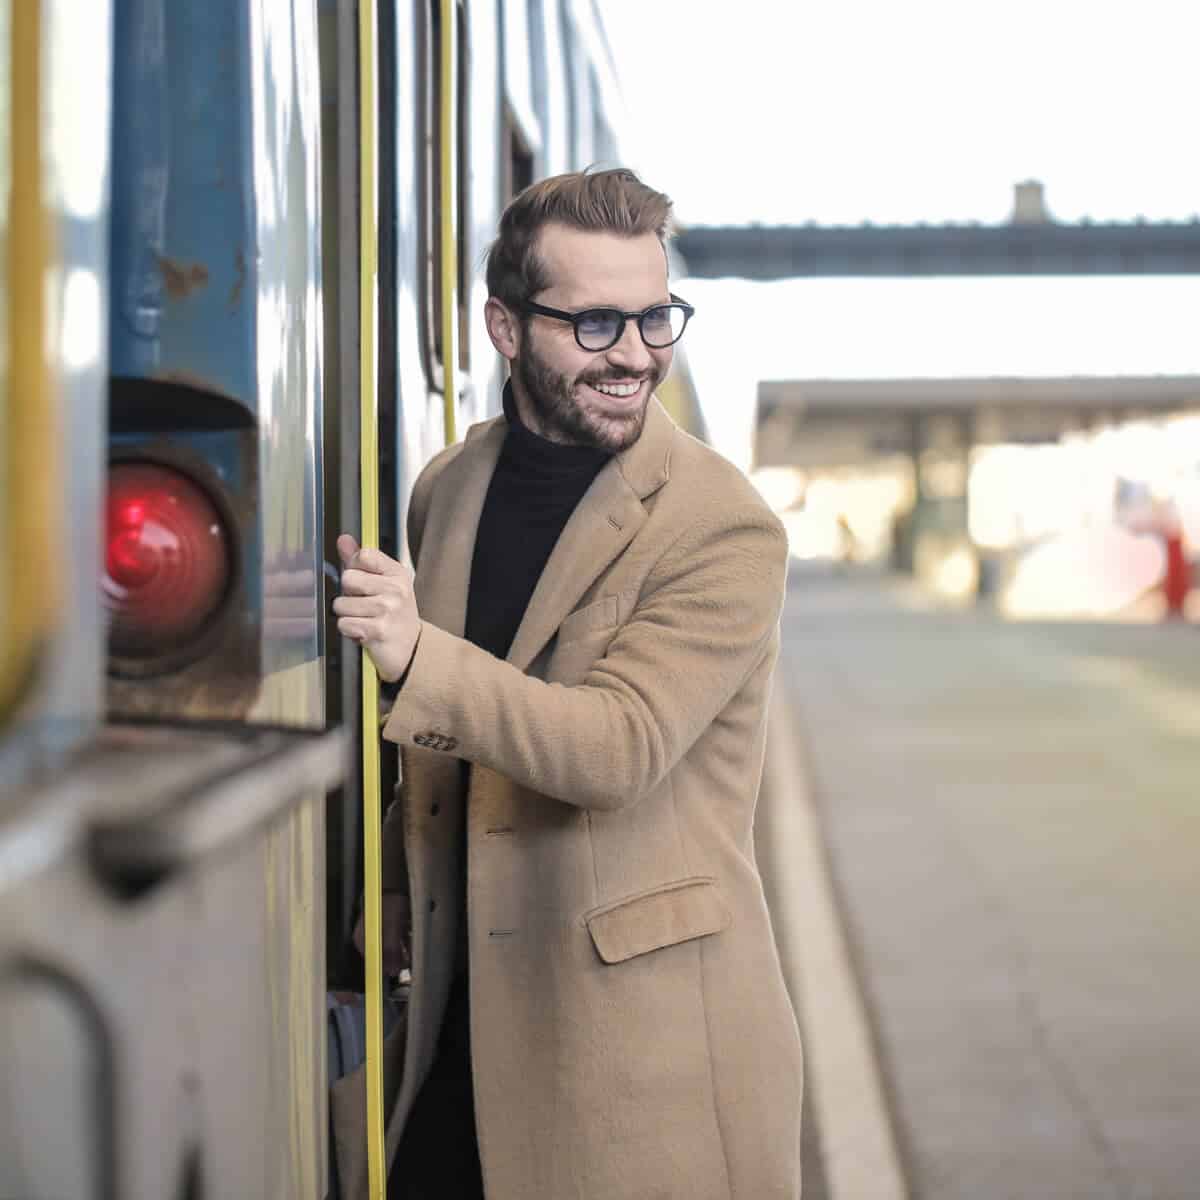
[(184, 255)]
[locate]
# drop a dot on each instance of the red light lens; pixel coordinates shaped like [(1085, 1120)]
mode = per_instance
[(168, 559)]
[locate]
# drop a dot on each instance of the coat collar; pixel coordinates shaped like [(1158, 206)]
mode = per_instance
[(646, 465), (604, 522)]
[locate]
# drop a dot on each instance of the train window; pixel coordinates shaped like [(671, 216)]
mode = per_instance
[(537, 64), (521, 110), (431, 192), (603, 146), (581, 124), (518, 160), (435, 282), (463, 175)]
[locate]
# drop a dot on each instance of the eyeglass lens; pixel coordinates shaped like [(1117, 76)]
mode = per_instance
[(602, 327)]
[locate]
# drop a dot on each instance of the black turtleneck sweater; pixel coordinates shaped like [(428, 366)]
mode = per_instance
[(535, 488)]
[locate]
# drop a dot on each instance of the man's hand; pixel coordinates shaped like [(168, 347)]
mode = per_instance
[(376, 608), (397, 954)]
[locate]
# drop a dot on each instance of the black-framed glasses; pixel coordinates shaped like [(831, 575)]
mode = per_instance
[(661, 325)]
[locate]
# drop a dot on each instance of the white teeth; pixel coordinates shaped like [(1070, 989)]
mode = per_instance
[(617, 389)]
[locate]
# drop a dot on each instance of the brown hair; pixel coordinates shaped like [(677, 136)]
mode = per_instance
[(615, 201)]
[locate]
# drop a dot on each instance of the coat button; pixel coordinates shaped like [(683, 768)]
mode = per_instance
[(433, 906), (435, 809)]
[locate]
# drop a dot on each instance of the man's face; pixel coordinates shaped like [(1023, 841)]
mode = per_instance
[(586, 397)]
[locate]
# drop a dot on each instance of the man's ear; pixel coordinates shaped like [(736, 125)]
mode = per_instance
[(503, 328)]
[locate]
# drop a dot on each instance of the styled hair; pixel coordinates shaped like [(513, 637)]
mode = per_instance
[(615, 201)]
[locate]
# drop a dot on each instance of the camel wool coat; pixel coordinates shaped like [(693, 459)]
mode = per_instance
[(631, 1035)]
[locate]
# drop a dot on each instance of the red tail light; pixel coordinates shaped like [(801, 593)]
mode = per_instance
[(168, 560)]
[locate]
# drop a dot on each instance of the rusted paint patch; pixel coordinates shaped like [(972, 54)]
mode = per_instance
[(181, 279)]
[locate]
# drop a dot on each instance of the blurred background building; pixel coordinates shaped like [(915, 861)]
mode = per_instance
[(947, 278)]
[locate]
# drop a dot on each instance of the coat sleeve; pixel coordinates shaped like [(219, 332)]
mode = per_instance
[(708, 614), (394, 869)]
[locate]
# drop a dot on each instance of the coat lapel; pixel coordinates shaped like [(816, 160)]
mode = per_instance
[(602, 525)]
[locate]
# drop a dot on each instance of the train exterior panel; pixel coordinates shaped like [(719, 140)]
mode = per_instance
[(216, 365), (161, 885)]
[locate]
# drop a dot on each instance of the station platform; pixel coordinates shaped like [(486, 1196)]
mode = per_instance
[(979, 844)]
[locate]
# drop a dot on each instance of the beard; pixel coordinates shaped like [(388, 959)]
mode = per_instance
[(564, 419)]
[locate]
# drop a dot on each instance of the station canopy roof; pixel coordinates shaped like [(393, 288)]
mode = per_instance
[(1077, 394)]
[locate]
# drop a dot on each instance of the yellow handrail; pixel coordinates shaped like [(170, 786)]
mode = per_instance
[(447, 156), (29, 447), (369, 469), (448, 266)]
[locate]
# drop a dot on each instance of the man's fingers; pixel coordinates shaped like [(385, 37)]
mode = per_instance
[(347, 547), (377, 563), (356, 582), (363, 583), (366, 631), (358, 606), (377, 608), (359, 583), (368, 558), (354, 628)]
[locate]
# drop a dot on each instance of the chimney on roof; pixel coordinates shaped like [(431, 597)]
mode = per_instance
[(1029, 204)]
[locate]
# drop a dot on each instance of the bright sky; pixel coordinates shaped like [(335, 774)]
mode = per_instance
[(922, 110), (843, 111)]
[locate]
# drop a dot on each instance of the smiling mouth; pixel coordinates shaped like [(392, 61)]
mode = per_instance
[(623, 390)]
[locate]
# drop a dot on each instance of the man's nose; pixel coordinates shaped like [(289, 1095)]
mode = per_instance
[(630, 352)]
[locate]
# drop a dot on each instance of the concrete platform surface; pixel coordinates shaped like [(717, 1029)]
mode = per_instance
[(1011, 818)]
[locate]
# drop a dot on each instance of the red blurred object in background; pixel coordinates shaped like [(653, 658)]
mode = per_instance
[(1177, 577), (167, 564)]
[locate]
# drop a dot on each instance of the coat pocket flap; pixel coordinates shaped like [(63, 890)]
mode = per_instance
[(675, 912)]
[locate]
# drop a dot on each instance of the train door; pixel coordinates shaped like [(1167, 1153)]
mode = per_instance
[(380, 429), (395, 81)]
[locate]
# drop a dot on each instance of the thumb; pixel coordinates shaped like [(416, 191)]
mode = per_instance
[(347, 549)]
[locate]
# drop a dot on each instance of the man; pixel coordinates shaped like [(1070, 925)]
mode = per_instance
[(585, 658)]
